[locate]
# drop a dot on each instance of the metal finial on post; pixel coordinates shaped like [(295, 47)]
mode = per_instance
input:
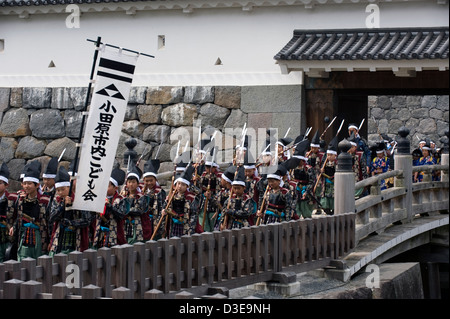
[(130, 153), (403, 143), (345, 162)]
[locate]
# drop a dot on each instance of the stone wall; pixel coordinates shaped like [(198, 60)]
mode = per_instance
[(39, 123), (424, 115)]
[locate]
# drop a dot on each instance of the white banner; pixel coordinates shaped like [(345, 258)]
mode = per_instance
[(104, 124)]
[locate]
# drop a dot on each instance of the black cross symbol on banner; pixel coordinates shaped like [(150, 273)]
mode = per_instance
[(111, 91)]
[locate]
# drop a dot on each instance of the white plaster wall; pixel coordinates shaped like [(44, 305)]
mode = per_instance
[(245, 42)]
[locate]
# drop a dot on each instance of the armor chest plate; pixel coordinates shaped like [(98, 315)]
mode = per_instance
[(178, 205)]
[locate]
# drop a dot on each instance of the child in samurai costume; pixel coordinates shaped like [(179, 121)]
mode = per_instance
[(251, 182), (153, 195), (277, 201), (30, 225), (283, 153), (133, 208), (315, 156), (178, 218), (48, 177), (205, 203), (226, 180), (380, 164), (70, 226), (6, 214), (304, 178), (358, 163), (238, 207), (108, 227), (426, 159), (327, 177), (266, 165)]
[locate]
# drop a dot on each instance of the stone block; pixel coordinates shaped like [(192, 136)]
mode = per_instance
[(15, 123), (228, 96), (37, 97), (149, 114), (15, 99), (56, 147), (399, 281), (77, 96), (198, 94), (72, 123), (137, 95), (213, 115), (133, 128), (237, 118), (164, 95), (8, 146), (30, 147), (61, 99), (271, 99), (47, 123), (180, 114), (156, 133), (4, 99)]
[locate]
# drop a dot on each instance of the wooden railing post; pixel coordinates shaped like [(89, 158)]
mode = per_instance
[(344, 181), (403, 162)]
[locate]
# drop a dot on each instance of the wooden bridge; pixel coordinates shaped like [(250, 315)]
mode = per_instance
[(208, 264)]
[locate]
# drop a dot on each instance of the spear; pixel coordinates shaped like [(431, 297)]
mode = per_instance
[(60, 156), (360, 125), (323, 166), (225, 220), (258, 221), (157, 152), (307, 132), (186, 146), (342, 123), (171, 192), (329, 125), (378, 130), (143, 153), (205, 209), (287, 132)]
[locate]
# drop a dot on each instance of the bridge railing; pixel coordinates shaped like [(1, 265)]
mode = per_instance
[(382, 208), (182, 267), (398, 204)]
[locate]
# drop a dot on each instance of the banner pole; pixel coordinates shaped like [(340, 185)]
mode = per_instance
[(80, 135)]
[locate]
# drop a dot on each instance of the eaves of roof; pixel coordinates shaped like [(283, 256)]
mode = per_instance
[(365, 48)]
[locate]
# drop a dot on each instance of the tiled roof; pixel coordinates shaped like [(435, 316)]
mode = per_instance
[(367, 44)]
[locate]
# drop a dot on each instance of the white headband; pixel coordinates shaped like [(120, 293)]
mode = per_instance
[(31, 179), (133, 175), (274, 176), (180, 179), (62, 184), (226, 178), (149, 174)]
